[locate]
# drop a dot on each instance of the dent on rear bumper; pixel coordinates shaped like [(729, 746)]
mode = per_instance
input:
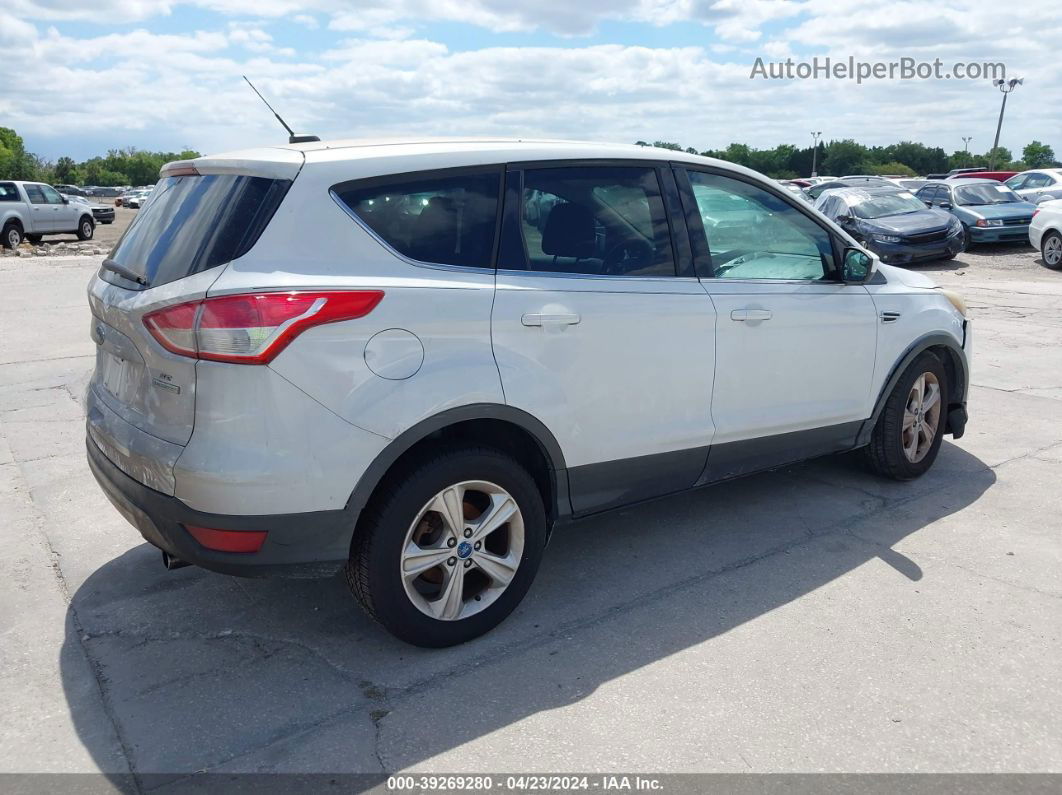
[(140, 455), (262, 446)]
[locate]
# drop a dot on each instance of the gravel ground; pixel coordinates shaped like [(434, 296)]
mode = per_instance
[(810, 619)]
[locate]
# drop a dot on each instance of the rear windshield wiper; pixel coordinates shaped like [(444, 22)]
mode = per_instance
[(121, 270)]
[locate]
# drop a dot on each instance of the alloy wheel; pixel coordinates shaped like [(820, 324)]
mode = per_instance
[(1053, 251), (921, 417), (462, 550)]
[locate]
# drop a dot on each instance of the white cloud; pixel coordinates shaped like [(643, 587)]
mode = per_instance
[(380, 71)]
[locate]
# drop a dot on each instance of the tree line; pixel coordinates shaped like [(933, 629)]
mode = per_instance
[(838, 158), (118, 167)]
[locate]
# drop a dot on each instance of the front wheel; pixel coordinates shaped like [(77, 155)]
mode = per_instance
[(907, 436), (85, 228), (967, 238), (448, 547), (1051, 250)]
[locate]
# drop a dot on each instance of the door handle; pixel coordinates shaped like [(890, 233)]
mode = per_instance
[(540, 319), (754, 315)]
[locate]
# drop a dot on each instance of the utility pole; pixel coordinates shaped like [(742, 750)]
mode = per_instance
[(815, 153), (1006, 86), (966, 149)]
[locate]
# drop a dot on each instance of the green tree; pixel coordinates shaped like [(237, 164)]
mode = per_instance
[(844, 157), (1038, 155), (66, 171), (999, 157)]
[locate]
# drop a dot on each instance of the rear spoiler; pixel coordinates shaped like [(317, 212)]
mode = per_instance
[(272, 163)]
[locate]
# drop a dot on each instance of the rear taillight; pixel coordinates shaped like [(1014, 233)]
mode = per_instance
[(252, 328)]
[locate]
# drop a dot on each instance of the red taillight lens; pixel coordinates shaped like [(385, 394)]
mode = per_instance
[(252, 328), (174, 327), (228, 540)]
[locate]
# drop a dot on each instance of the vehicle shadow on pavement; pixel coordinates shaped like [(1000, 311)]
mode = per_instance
[(203, 672)]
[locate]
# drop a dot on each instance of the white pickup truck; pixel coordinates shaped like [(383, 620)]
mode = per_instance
[(31, 210)]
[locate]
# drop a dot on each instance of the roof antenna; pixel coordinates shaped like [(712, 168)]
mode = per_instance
[(293, 138)]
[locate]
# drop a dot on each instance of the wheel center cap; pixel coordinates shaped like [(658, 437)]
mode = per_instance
[(464, 549)]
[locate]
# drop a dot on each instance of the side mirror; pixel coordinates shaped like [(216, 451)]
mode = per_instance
[(844, 220), (65, 200), (928, 204), (945, 205), (858, 266)]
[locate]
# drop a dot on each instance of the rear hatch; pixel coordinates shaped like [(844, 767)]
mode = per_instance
[(201, 216)]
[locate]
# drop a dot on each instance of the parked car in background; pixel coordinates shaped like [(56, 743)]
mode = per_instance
[(989, 211), (1045, 233), (479, 380), (819, 188), (105, 192), (794, 187), (1037, 185), (70, 190), (893, 224), (912, 183), (101, 213), (31, 210), (136, 198), (998, 176)]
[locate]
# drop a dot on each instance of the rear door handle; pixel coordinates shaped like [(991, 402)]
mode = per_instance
[(751, 314), (539, 319)]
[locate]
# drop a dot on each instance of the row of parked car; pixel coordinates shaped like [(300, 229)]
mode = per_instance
[(905, 221)]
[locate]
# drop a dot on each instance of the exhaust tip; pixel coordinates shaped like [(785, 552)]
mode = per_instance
[(171, 563)]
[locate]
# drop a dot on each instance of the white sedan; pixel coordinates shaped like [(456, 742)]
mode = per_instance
[(1045, 233)]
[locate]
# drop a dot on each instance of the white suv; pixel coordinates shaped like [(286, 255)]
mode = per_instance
[(413, 361)]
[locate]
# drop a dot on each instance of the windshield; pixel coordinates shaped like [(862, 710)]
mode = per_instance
[(880, 205), (975, 195), (193, 223)]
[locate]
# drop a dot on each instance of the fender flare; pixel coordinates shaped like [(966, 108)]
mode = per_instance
[(402, 443), (957, 400)]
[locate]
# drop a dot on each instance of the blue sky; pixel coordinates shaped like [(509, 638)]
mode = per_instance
[(165, 74)]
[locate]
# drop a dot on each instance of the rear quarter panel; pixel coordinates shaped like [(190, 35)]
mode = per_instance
[(313, 243)]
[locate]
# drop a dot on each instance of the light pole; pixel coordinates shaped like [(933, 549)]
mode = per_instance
[(966, 148), (815, 152), (1006, 86)]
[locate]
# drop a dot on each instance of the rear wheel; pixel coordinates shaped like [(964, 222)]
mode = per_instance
[(1051, 250), (449, 546), (34, 239), (907, 437), (12, 237), (85, 228)]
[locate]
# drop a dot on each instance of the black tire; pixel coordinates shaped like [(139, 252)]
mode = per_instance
[(1056, 239), (967, 239), (85, 228), (885, 454), (35, 239), (373, 569), (12, 235)]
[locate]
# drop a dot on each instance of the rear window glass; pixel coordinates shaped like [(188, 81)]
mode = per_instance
[(448, 219), (8, 192), (192, 223)]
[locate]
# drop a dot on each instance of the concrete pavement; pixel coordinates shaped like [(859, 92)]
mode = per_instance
[(809, 619)]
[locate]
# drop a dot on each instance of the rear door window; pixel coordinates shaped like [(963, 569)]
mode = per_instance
[(591, 220), (193, 223), (445, 218), (8, 192)]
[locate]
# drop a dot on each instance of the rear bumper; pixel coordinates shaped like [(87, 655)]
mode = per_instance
[(297, 545), (999, 234)]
